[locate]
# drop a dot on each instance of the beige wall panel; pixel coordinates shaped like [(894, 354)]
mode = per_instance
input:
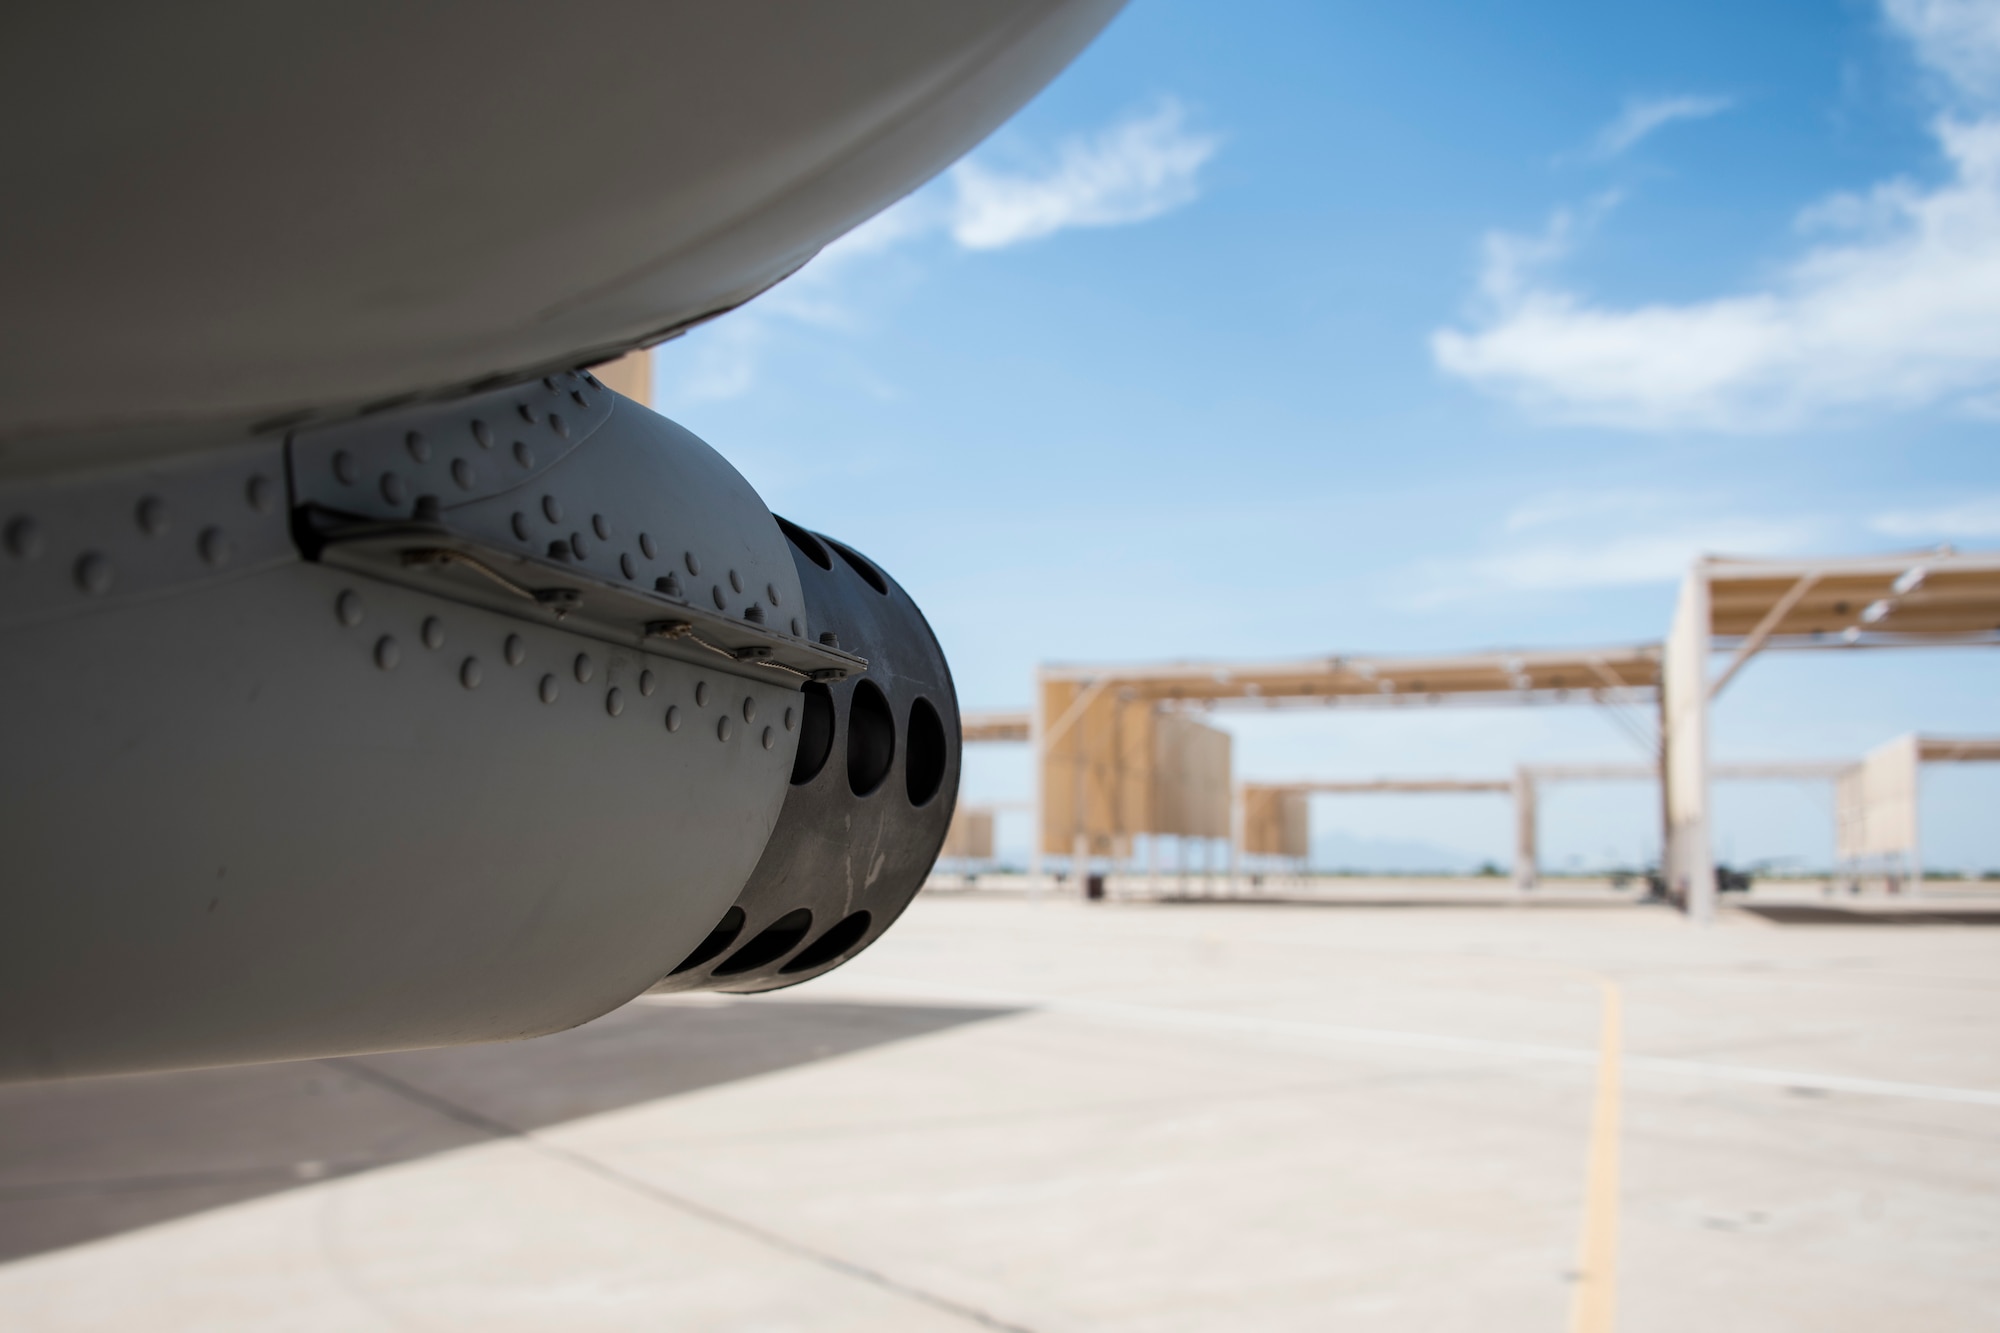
[(970, 837), (1276, 822), (631, 375), (1876, 804)]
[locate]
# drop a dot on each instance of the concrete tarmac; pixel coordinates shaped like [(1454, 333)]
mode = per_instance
[(1052, 1116)]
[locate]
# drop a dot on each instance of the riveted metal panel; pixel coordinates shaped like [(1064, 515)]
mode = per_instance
[(285, 807)]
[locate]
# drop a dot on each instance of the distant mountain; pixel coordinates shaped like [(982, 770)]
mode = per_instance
[(1335, 850)]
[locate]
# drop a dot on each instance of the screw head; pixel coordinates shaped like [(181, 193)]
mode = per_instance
[(614, 701), (347, 608), (694, 565), (673, 718), (151, 515), (93, 573), (646, 684), (722, 729), (393, 489), (344, 468), (419, 447), (387, 653), (584, 667), (482, 434), (261, 493), (548, 689), (514, 650), (523, 455), (646, 546), (433, 632), (461, 473), (749, 709), (735, 581), (214, 547), (701, 694), (551, 510), (468, 673), (769, 739)]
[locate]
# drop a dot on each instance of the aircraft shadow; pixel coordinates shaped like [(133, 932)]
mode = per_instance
[(89, 1158)]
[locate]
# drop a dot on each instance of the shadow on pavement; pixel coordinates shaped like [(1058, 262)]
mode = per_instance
[(1806, 914), (89, 1158)]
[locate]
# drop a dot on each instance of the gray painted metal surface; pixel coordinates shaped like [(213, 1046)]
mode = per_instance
[(232, 211), (264, 806)]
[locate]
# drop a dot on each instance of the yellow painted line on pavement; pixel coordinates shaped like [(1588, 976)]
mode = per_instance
[(1596, 1298)]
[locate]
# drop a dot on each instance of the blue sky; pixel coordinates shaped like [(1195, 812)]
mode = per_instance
[(1285, 329)]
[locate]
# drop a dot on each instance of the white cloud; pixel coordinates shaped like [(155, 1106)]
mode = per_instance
[(1959, 39), (1976, 517), (1900, 310), (1138, 169), (1642, 116), (1570, 540)]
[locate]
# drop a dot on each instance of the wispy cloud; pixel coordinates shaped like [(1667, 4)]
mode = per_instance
[(1900, 310), (1976, 517), (1571, 540), (1142, 166), (1958, 39), (1137, 169), (1643, 116)]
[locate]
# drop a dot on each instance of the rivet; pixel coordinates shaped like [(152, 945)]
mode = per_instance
[(24, 538), (791, 718), (393, 489), (523, 454), (387, 654), (344, 470), (771, 593), (419, 447), (646, 683), (93, 573), (520, 526), (528, 413), (769, 739), (461, 472), (548, 690), (583, 668), (701, 694), (668, 584), (614, 701), (514, 650), (673, 719), (600, 527), (483, 433), (694, 565), (558, 425), (646, 546), (151, 515), (722, 729), (468, 673), (749, 710), (721, 602), (214, 546), (829, 638), (798, 628), (576, 396), (347, 608), (576, 546), (735, 581), (625, 565), (551, 510), (261, 494), (433, 632), (549, 383)]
